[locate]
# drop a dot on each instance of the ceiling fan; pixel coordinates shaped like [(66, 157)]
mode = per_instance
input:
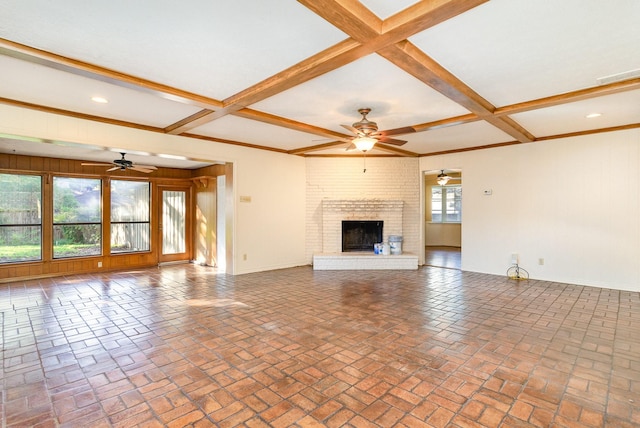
[(367, 134), (442, 178), (123, 164)]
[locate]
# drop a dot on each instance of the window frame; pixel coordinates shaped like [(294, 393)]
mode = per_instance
[(443, 204), (113, 222), (55, 223), (39, 225)]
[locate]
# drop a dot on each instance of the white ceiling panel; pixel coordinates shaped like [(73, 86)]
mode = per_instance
[(616, 110), (472, 134), (213, 48), (261, 134), (395, 98), (385, 8), (46, 86), (515, 50)]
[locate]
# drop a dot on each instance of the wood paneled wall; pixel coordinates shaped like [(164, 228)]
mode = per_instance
[(48, 167)]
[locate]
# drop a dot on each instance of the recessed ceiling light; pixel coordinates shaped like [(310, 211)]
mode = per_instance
[(100, 100), (592, 115)]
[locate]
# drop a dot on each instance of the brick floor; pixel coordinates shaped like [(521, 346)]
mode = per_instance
[(183, 346)]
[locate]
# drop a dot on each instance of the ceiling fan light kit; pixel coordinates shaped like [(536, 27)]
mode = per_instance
[(443, 178), (364, 144), (366, 133)]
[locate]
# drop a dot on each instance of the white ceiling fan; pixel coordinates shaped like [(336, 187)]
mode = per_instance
[(123, 165)]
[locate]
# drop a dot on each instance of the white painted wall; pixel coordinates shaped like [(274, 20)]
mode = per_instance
[(270, 229), (443, 234), (574, 202)]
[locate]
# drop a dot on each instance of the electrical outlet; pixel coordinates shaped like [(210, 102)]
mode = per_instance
[(540, 261), (514, 258), (244, 257), (99, 264)]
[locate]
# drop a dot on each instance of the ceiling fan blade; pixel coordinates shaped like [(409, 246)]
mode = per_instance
[(137, 168), (144, 166), (351, 147), (400, 131), (393, 141), (352, 129), (113, 168), (95, 164)]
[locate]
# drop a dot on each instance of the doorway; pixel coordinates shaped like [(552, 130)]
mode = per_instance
[(174, 224), (443, 218)]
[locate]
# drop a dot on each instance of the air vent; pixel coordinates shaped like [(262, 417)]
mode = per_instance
[(626, 75)]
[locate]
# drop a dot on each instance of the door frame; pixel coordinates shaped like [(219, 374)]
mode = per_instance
[(188, 254)]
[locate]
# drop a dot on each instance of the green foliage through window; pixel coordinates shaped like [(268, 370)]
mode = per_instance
[(77, 217), (20, 218)]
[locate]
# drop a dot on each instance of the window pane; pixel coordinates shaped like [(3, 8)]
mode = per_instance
[(20, 218), (174, 206), (78, 240), (76, 200), (436, 204), (129, 201), (454, 204), (130, 227), (20, 243), (77, 217), (129, 237)]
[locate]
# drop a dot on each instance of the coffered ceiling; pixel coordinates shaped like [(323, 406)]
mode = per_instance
[(443, 75)]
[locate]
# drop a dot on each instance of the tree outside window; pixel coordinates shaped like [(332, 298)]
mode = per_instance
[(77, 217)]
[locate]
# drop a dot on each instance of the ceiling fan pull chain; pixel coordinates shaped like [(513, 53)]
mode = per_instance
[(364, 162)]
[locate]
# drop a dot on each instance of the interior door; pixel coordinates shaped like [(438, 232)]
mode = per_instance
[(174, 223)]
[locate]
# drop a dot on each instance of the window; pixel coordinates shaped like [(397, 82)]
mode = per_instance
[(446, 204), (130, 225), (20, 218), (174, 207), (77, 217)]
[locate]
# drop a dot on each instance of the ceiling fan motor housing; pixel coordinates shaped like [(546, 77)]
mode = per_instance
[(364, 125), (123, 163)]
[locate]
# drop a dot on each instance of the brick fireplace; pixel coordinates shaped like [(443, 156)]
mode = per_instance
[(334, 211)]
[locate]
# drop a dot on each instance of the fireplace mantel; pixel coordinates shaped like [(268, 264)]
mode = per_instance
[(361, 205)]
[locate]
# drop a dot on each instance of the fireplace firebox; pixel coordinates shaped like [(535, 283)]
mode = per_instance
[(360, 235)]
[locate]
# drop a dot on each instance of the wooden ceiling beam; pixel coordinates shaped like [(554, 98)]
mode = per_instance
[(316, 148), (424, 14), (81, 68), (77, 115), (363, 27), (271, 119), (395, 150), (329, 59), (415, 62), (570, 97), (349, 16)]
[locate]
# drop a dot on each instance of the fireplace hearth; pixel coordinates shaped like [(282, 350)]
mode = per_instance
[(361, 235)]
